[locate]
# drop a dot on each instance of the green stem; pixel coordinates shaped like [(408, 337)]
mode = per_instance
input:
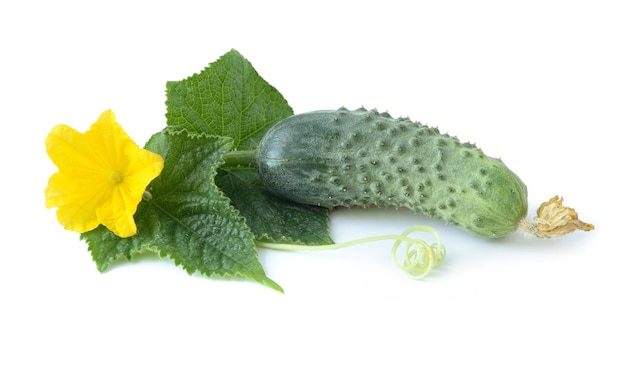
[(238, 158)]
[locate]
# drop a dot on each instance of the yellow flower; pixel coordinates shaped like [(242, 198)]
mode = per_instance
[(102, 176)]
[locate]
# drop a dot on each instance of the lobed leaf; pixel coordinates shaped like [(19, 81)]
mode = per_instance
[(228, 98), (185, 216)]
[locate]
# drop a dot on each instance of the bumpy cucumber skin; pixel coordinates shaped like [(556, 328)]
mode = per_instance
[(343, 158)]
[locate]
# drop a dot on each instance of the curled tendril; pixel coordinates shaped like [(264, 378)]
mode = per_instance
[(419, 257)]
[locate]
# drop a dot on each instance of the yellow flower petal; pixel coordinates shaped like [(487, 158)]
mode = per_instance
[(117, 213), (77, 216), (102, 176), (72, 153)]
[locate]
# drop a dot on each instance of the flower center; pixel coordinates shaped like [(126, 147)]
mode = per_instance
[(115, 177)]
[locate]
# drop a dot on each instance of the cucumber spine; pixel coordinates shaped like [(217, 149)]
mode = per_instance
[(361, 158)]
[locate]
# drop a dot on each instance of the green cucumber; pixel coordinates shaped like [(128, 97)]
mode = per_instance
[(343, 158)]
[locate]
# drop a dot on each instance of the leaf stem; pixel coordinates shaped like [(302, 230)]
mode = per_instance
[(238, 158)]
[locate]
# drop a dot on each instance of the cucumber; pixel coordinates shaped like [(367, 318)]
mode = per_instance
[(361, 158)]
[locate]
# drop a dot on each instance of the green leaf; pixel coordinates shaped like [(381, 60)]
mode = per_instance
[(270, 217), (186, 217), (228, 98)]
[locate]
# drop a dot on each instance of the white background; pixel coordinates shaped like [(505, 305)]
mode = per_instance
[(539, 83)]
